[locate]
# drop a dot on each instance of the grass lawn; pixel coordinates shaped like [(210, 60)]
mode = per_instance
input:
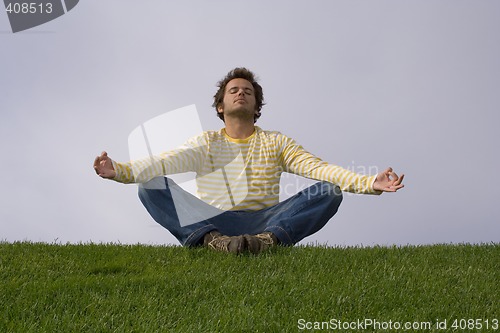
[(120, 288)]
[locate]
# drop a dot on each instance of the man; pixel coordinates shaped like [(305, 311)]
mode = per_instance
[(238, 171)]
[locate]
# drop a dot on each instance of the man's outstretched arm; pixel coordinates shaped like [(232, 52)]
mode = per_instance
[(183, 159), (103, 166), (388, 181)]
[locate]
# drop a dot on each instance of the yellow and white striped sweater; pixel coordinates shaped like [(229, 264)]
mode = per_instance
[(234, 174)]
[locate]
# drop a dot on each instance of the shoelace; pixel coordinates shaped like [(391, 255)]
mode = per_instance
[(218, 243), (265, 238)]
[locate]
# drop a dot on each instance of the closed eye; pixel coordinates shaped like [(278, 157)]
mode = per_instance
[(234, 90)]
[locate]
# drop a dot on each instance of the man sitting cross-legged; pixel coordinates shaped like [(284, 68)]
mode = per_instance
[(238, 170)]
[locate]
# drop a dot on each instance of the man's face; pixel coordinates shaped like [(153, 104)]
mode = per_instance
[(239, 99)]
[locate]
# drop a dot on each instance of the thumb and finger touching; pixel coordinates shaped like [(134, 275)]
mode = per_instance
[(390, 181), (103, 166)]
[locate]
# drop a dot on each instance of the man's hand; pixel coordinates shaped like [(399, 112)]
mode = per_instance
[(388, 181), (103, 166)]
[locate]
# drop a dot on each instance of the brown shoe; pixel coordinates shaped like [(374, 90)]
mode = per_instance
[(232, 244), (260, 242)]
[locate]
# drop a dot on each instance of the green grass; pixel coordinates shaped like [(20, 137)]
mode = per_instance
[(117, 288)]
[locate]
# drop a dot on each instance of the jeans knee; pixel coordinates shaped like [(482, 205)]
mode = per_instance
[(143, 194), (152, 189), (332, 191)]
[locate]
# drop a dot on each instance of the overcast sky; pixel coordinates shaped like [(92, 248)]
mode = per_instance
[(363, 84)]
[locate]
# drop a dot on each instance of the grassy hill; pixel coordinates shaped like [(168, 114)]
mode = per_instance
[(117, 288)]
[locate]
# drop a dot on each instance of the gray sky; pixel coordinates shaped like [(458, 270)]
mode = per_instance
[(363, 84)]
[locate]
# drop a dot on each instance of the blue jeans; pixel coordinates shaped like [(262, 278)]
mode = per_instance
[(290, 221)]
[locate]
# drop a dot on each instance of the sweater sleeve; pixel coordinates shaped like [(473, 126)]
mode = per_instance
[(188, 157), (295, 159)]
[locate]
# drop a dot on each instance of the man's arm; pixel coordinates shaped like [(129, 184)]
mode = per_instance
[(187, 157), (298, 161)]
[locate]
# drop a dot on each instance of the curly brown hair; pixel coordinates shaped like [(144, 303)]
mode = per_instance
[(239, 73)]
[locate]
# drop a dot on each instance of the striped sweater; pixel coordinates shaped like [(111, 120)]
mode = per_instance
[(235, 174)]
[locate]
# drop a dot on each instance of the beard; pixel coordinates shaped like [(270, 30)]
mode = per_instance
[(241, 112)]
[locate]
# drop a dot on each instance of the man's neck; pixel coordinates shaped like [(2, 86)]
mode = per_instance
[(238, 129)]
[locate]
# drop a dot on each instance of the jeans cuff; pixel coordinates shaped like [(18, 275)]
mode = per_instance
[(195, 237), (281, 234)]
